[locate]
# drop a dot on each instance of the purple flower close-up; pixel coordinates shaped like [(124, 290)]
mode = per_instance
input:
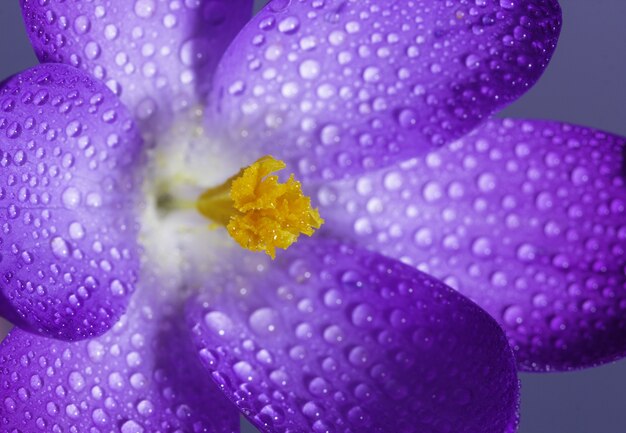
[(457, 250)]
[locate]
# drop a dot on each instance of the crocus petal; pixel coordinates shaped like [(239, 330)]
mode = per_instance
[(68, 154), (338, 87), (140, 377), (331, 338), (524, 217), (157, 56)]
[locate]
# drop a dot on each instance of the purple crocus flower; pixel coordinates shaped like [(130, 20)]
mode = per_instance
[(127, 314)]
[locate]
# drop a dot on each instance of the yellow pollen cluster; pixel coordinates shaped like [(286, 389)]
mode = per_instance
[(261, 213)]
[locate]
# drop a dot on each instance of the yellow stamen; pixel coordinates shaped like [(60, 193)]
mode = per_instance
[(260, 213)]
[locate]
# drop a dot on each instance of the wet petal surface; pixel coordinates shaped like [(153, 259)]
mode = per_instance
[(338, 87), (140, 377), (527, 218), (69, 159), (157, 56), (328, 338)]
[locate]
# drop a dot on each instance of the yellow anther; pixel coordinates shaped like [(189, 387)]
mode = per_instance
[(259, 212)]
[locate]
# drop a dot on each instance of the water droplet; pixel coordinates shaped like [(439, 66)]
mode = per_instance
[(92, 50), (27, 257), (318, 386), (392, 181), (329, 135), (195, 52), (513, 315), (116, 381), (73, 128), (145, 8), (289, 25), (117, 288), (244, 371), (264, 321), (526, 252), (219, 323), (76, 231), (76, 381), (131, 426), (481, 247), (472, 61), (81, 24), (145, 408), (36, 382), (363, 316), (310, 69), (407, 118), (72, 411), (371, 74), (10, 404), (99, 417), (290, 89), (96, 351), (580, 176), (486, 182), (14, 130), (60, 247), (71, 197)]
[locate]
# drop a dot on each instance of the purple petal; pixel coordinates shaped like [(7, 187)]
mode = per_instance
[(157, 56), (334, 339), (524, 217), (140, 377), (338, 87), (69, 154)]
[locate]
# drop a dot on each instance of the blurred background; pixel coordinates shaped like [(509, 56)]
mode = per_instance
[(585, 84)]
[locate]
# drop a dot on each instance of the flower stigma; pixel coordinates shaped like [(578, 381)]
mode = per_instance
[(259, 212)]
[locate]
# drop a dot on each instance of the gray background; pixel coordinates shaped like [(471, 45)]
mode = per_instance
[(586, 84)]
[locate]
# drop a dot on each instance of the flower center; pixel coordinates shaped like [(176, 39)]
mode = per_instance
[(258, 211), (180, 163)]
